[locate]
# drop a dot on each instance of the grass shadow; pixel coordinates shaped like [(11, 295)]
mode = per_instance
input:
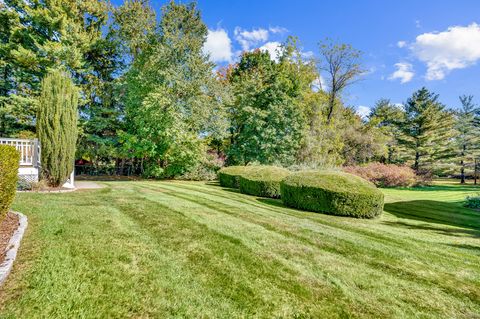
[(436, 212), (272, 201)]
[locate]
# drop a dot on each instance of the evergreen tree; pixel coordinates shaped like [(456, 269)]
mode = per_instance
[(36, 36), (427, 131), (57, 126), (468, 134), (388, 117)]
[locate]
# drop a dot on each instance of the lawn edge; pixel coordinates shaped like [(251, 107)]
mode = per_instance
[(14, 244)]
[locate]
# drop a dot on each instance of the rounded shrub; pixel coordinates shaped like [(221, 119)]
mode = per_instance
[(9, 162), (263, 181), (334, 193), (230, 176)]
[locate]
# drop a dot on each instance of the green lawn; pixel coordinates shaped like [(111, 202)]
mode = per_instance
[(195, 250)]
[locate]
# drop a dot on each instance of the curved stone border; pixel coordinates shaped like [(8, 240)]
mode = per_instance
[(13, 246)]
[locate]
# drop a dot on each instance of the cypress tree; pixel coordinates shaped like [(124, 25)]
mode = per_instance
[(57, 126)]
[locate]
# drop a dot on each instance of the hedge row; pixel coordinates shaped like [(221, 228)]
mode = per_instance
[(263, 181), (230, 176), (329, 192), (9, 162), (334, 193)]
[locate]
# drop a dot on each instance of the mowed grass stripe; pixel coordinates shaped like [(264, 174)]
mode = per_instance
[(400, 270), (183, 249), (225, 264), (366, 228)]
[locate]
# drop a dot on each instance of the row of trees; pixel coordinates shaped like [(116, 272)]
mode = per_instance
[(151, 101)]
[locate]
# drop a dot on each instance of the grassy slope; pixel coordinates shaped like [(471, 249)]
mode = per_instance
[(186, 249)]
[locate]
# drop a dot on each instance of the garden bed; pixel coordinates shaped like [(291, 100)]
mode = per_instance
[(12, 229), (7, 227)]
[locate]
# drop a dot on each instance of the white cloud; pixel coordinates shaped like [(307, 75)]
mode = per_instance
[(404, 72), (219, 46), (319, 84), (278, 29), (456, 48), (273, 48), (363, 111), (247, 39), (401, 44)]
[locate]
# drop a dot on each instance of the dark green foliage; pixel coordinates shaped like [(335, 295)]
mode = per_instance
[(268, 122), (472, 202), (57, 126), (333, 193), (230, 176), (427, 129), (9, 162), (173, 100), (263, 181)]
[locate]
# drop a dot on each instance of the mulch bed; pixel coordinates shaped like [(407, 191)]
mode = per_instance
[(7, 227)]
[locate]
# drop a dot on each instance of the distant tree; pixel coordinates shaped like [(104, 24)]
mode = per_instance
[(57, 126), (268, 113), (468, 133), (342, 65), (388, 117), (363, 142), (427, 131)]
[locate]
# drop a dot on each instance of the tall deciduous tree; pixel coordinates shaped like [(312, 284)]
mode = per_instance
[(468, 133), (57, 126), (427, 131), (173, 99), (341, 63), (268, 116)]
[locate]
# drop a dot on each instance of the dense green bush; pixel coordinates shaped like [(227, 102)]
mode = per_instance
[(263, 181), (472, 202), (334, 193), (9, 162), (230, 176)]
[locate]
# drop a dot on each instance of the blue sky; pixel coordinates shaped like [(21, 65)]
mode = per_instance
[(406, 44)]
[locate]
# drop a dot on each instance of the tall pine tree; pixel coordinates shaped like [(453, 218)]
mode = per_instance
[(468, 134), (427, 131)]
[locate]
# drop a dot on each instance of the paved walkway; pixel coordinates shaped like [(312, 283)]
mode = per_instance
[(87, 185)]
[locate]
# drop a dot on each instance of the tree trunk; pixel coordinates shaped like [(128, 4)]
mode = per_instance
[(462, 173), (417, 159), (331, 105), (475, 173)]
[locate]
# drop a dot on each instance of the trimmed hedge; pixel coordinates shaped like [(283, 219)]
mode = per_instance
[(334, 193), (263, 181), (230, 176), (9, 162)]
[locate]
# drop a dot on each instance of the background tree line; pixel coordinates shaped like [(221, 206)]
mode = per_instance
[(152, 103)]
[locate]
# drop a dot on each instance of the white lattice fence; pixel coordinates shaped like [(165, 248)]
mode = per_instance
[(29, 150)]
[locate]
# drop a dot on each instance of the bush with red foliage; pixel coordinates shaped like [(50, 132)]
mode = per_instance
[(386, 175)]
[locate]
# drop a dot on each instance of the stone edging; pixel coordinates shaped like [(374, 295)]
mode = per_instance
[(51, 192), (13, 246)]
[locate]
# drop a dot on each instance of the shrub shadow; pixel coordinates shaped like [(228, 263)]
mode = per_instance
[(272, 201), (435, 212)]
